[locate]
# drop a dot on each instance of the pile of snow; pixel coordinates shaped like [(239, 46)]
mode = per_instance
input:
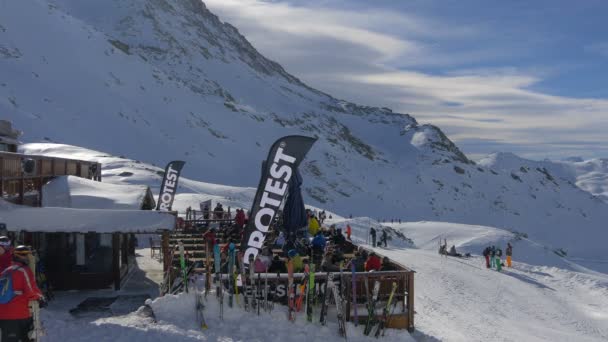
[(82, 193), (176, 321)]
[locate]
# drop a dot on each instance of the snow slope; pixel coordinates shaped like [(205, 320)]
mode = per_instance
[(543, 298), (159, 80), (589, 175), (456, 299)]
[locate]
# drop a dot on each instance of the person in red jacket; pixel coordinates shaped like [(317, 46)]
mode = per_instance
[(349, 231), (373, 263), (15, 316), (240, 218), (6, 253)]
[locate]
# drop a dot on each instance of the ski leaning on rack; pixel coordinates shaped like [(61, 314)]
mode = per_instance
[(166, 284), (231, 278), (385, 312), (354, 281), (303, 291), (339, 308), (217, 258), (252, 302), (371, 309), (243, 281), (207, 267), (37, 331), (311, 293), (326, 298), (291, 292)]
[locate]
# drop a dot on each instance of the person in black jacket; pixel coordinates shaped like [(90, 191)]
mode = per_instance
[(486, 254), (372, 232), (277, 265)]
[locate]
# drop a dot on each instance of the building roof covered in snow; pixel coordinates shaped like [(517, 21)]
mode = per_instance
[(82, 193), (70, 220)]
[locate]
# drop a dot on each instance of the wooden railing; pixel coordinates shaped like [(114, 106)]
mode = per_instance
[(26, 188)]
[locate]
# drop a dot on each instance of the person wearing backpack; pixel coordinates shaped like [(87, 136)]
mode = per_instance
[(17, 288), (6, 253)]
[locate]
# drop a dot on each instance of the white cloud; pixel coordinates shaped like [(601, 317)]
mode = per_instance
[(368, 57)]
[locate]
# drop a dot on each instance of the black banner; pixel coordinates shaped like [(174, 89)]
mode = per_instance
[(168, 188), (283, 159)]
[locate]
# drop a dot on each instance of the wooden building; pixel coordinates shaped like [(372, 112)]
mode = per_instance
[(83, 248)]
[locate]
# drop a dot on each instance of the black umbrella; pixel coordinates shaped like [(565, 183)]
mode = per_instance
[(294, 213)]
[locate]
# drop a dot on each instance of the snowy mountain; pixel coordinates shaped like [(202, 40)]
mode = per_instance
[(158, 80), (589, 175)]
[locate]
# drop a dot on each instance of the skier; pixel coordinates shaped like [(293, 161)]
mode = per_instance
[(277, 265), (240, 219), (6, 253), (313, 225), (509, 253), (210, 237), (492, 256), (373, 263), (338, 238), (372, 232), (384, 237), (349, 231), (486, 254), (280, 241), (498, 259), (318, 247), (259, 265), (218, 212), (15, 315)]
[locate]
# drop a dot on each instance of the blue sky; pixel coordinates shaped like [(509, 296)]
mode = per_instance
[(529, 77)]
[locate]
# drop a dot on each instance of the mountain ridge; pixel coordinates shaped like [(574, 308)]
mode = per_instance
[(159, 80)]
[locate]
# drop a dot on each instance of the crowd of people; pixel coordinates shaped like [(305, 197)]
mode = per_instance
[(493, 256), (328, 248), (17, 289), (383, 237)]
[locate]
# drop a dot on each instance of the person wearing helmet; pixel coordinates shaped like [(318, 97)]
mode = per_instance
[(6, 253), (15, 315)]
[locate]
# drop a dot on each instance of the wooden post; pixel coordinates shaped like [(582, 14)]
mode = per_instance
[(22, 186), (40, 181), (1, 177), (410, 301), (116, 260), (165, 250)]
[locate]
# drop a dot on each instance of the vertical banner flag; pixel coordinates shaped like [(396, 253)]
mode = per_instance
[(283, 159), (168, 188)]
